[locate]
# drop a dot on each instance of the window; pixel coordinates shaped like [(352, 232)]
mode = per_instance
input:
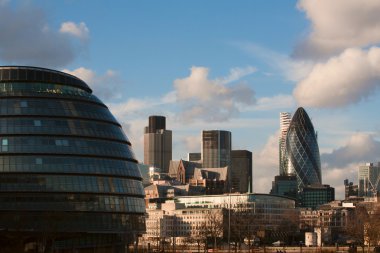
[(37, 123), (38, 160), (23, 104), (4, 145)]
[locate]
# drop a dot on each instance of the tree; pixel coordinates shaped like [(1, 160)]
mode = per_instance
[(290, 224), (242, 224), (372, 228), (355, 226), (212, 227)]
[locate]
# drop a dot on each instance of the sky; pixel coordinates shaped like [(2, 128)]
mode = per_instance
[(218, 64)]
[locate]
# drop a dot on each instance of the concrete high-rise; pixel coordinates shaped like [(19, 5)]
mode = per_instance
[(285, 118), (216, 148), (241, 171), (302, 150), (369, 180), (157, 144)]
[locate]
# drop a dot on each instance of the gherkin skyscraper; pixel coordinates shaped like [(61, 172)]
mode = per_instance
[(302, 150)]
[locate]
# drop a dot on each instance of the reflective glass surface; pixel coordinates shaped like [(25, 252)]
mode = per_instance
[(72, 202), (54, 108), (60, 183), (49, 126), (302, 150), (45, 89), (65, 163), (72, 222), (65, 145), (74, 165)]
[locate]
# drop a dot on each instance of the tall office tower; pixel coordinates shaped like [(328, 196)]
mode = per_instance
[(216, 148), (369, 177), (157, 144), (285, 118), (68, 174), (241, 171), (302, 150)]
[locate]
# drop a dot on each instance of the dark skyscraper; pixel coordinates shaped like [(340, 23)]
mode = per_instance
[(241, 171), (216, 148), (68, 175), (302, 150), (157, 144)]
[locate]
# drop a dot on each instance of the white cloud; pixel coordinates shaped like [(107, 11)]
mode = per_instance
[(292, 69), (78, 30), (342, 80), (107, 86), (339, 24), (236, 74), (277, 102), (26, 39), (192, 143), (344, 162), (265, 165), (4, 2), (212, 100), (360, 148)]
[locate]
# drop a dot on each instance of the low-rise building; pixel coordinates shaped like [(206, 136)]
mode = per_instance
[(186, 218)]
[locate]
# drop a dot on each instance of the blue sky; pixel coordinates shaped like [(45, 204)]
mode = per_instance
[(231, 65)]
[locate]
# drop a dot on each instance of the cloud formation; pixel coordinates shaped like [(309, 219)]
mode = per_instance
[(342, 80), (80, 30), (337, 25), (106, 86), (277, 102), (344, 161), (27, 39), (212, 100), (265, 165), (291, 69), (360, 148)]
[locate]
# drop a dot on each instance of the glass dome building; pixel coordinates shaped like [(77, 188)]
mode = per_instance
[(68, 175), (302, 150)]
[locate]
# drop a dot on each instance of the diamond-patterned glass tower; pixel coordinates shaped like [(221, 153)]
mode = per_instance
[(302, 150)]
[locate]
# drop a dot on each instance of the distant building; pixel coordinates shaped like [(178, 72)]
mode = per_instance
[(216, 148), (302, 150), (165, 191), (313, 196), (183, 170), (186, 217), (157, 143), (214, 180), (285, 118), (194, 157), (369, 176), (285, 185), (350, 190), (331, 218), (241, 171)]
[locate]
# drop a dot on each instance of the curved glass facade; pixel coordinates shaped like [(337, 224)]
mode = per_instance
[(66, 167), (302, 150)]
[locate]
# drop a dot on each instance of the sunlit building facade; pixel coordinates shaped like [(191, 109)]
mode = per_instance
[(369, 180), (68, 175), (157, 144), (302, 150), (285, 118)]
